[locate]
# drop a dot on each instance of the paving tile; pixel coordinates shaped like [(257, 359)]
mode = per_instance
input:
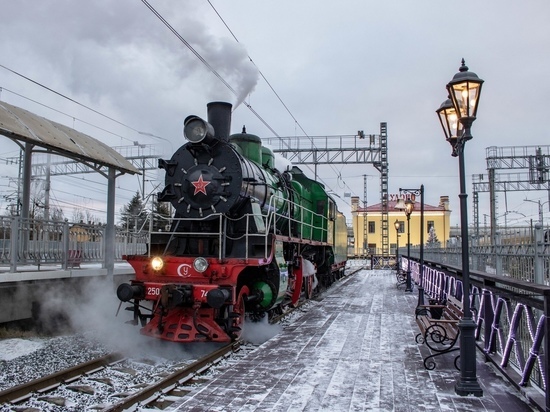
[(354, 350)]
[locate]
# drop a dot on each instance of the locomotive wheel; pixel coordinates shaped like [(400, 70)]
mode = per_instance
[(236, 317)]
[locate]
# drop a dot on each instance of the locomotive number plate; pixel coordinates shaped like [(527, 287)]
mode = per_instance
[(200, 291), (152, 290)]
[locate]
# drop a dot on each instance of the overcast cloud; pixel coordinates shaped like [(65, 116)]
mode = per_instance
[(339, 67)]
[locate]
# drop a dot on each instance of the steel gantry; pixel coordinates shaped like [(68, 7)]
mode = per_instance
[(142, 157), (345, 149), (532, 163)]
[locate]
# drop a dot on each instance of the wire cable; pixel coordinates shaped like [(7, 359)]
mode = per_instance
[(296, 122), (196, 53), (79, 104)]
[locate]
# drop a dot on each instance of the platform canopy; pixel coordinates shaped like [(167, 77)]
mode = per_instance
[(34, 133), (23, 126)]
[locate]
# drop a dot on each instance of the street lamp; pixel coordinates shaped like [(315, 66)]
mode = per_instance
[(418, 192), (397, 226), (408, 207), (464, 91)]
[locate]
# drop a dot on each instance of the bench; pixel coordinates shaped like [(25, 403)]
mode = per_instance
[(74, 258), (401, 277), (439, 330)]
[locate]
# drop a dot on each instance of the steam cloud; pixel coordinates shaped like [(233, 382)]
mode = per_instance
[(93, 312)]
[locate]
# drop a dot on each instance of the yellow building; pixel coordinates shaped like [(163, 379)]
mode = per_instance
[(368, 234)]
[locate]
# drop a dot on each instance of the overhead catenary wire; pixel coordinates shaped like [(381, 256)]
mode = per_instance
[(66, 114), (296, 122), (220, 77), (66, 97), (79, 104), (260, 72), (203, 61), (150, 134)]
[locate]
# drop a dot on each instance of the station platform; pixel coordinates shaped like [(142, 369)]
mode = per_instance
[(354, 350), (23, 292)]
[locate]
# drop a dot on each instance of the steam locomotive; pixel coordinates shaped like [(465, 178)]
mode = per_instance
[(245, 239)]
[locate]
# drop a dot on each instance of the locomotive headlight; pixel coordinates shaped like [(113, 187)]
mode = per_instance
[(200, 264), (157, 263), (196, 129)]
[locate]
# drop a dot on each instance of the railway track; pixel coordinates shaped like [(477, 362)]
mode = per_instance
[(143, 395), (166, 387), (151, 394), (154, 395), (22, 392)]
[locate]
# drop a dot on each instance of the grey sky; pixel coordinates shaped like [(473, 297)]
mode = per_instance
[(338, 66)]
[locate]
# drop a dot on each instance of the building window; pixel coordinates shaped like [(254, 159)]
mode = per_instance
[(401, 227), (430, 225), (372, 227)]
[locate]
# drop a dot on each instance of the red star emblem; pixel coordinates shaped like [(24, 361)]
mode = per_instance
[(200, 186)]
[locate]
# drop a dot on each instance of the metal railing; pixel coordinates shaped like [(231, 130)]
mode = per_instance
[(510, 298), (523, 261), (281, 216), (35, 242)]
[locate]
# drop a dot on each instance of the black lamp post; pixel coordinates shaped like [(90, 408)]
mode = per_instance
[(397, 226), (420, 192), (407, 207), (456, 115)]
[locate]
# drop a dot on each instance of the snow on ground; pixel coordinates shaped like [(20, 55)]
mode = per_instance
[(14, 348), (22, 360)]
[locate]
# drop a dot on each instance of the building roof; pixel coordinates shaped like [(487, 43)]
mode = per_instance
[(377, 208), (22, 125)]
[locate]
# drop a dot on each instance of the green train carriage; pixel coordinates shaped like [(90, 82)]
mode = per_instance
[(246, 238)]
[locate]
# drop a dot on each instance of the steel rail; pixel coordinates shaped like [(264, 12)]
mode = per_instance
[(153, 391), (24, 391)]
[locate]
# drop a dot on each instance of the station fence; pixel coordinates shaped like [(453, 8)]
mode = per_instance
[(510, 301), (510, 284), (33, 242)]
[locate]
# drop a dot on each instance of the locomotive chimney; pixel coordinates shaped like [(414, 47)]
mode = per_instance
[(219, 116)]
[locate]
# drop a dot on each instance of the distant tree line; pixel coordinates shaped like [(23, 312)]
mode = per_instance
[(134, 215)]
